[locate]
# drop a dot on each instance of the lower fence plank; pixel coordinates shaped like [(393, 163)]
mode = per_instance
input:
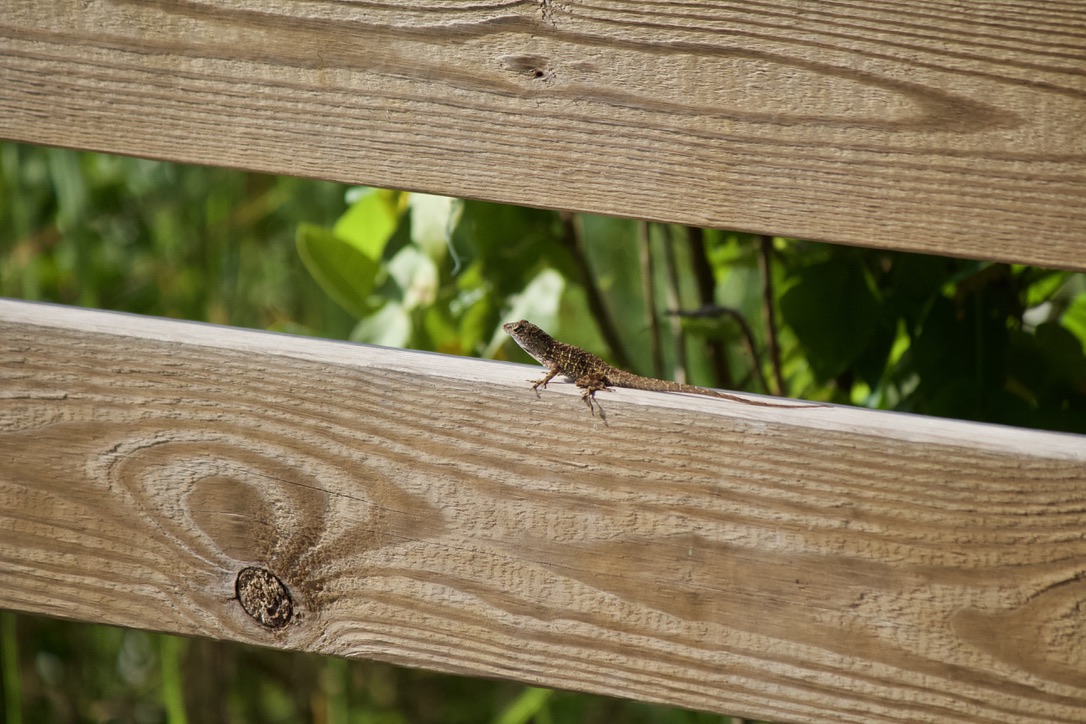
[(824, 564)]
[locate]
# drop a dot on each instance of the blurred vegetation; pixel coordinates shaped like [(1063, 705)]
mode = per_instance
[(938, 336)]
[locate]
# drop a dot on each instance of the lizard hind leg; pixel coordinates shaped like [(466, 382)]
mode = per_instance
[(589, 397), (590, 385)]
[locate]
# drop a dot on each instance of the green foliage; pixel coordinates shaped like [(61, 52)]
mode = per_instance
[(976, 341), (171, 654), (343, 271), (917, 333), (156, 238), (530, 705), (9, 669), (835, 291)]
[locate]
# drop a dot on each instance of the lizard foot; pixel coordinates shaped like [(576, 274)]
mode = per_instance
[(589, 396)]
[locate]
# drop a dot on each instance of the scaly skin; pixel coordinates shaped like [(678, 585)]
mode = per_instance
[(592, 374)]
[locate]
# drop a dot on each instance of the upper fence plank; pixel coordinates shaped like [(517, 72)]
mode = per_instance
[(938, 126), (826, 564)]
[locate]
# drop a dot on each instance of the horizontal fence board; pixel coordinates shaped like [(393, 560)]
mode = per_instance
[(819, 564), (943, 127)]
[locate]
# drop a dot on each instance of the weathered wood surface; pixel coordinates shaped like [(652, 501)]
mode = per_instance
[(945, 127), (828, 564)]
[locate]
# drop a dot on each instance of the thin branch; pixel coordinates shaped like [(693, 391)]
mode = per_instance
[(671, 273), (574, 243), (772, 344), (706, 283), (648, 291), (716, 310)]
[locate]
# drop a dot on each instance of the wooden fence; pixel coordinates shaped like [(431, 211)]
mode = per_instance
[(826, 564)]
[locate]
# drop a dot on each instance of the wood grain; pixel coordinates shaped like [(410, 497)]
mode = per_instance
[(831, 564), (936, 126)]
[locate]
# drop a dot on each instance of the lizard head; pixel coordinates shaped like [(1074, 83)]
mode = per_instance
[(531, 338)]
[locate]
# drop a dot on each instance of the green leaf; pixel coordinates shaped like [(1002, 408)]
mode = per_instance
[(1043, 284), (960, 358), (911, 283), (343, 272), (1074, 319), (510, 243), (526, 707), (1064, 354), (833, 313), (870, 364), (369, 223)]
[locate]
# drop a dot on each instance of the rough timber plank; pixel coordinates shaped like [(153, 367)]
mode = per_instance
[(828, 564), (937, 126)]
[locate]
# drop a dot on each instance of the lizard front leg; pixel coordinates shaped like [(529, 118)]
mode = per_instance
[(551, 374)]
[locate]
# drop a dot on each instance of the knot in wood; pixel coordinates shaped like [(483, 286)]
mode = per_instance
[(264, 597)]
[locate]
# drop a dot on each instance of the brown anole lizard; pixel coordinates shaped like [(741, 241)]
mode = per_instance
[(592, 374)]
